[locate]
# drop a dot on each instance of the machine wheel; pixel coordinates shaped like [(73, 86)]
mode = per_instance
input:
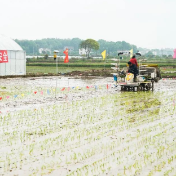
[(140, 87), (148, 86), (122, 88)]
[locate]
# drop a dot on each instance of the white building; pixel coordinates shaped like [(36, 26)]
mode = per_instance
[(12, 57), (44, 50), (82, 51)]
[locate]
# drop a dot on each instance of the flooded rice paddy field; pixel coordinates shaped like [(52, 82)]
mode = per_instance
[(67, 126)]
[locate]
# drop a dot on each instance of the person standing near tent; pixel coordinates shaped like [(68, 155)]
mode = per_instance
[(133, 60)]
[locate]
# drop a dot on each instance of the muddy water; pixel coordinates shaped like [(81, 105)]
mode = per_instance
[(167, 84), (51, 81), (18, 83), (28, 85)]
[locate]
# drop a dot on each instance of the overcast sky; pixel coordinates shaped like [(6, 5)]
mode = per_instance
[(144, 23)]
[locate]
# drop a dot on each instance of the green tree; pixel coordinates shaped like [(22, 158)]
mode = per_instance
[(149, 54), (88, 45), (75, 43), (32, 46), (46, 56)]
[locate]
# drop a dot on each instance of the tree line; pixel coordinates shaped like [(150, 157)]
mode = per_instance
[(32, 46)]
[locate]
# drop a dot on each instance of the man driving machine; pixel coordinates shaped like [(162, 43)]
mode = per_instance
[(133, 69)]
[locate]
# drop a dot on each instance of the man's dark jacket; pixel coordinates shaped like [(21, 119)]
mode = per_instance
[(133, 69)]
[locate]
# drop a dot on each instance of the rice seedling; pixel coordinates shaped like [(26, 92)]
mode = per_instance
[(96, 132)]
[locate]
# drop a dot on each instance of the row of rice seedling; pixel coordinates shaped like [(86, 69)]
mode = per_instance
[(104, 133)]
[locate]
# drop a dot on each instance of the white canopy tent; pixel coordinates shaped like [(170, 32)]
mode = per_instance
[(16, 64)]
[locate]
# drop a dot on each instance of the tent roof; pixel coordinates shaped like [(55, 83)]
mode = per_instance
[(7, 43)]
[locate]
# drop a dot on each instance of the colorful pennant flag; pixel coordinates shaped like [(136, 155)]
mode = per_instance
[(107, 86), (96, 87), (63, 89), (48, 92), (103, 54)]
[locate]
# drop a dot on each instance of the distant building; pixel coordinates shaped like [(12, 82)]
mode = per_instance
[(44, 50), (82, 51)]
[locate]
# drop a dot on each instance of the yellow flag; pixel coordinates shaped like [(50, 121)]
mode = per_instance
[(103, 54), (131, 53)]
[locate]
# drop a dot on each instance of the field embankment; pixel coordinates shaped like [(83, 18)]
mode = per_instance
[(91, 67)]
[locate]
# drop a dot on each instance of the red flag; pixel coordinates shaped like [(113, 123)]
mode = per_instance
[(66, 55), (3, 56)]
